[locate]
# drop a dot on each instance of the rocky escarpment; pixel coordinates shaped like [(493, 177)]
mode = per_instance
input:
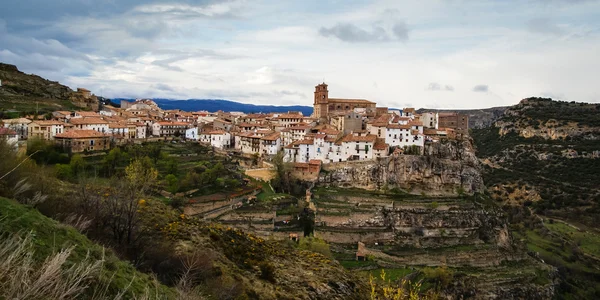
[(15, 82), (551, 120), (447, 168), (20, 89)]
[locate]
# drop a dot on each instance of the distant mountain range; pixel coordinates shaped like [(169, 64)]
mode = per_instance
[(213, 105)]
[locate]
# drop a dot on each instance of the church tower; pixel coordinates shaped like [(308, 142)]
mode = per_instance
[(321, 103)]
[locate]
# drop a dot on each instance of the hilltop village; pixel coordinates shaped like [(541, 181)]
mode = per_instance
[(339, 130)]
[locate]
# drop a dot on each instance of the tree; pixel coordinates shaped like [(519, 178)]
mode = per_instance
[(77, 164), (307, 221), (283, 173), (172, 183), (125, 198), (112, 160)]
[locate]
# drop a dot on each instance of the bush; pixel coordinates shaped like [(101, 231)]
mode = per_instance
[(440, 275), (267, 271), (315, 244), (63, 172), (172, 183)]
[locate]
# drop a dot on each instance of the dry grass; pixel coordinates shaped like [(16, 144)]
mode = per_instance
[(21, 278), (261, 174)]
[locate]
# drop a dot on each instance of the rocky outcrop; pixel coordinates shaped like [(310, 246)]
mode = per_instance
[(15, 82), (447, 168), (19, 85), (550, 120)]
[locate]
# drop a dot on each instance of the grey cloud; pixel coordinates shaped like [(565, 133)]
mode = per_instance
[(351, 33), (106, 28), (177, 56), (163, 87), (400, 30), (387, 27), (434, 86), (544, 26), (481, 88), (34, 12)]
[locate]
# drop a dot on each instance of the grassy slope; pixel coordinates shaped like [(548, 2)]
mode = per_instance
[(51, 236)]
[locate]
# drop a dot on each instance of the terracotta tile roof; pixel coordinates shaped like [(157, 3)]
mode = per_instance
[(222, 121), (87, 121), (217, 132), (299, 127), (87, 113), (329, 131), (397, 126), (63, 112), (380, 144), (173, 123), (47, 123), (314, 162), (80, 134), (247, 124), (16, 121), (271, 137), (264, 131), (291, 116), (338, 100), (256, 116), (370, 138), (117, 125), (306, 142)]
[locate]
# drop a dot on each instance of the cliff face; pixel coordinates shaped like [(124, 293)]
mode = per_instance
[(447, 168)]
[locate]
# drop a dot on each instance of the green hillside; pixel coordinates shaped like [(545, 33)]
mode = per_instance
[(49, 237)]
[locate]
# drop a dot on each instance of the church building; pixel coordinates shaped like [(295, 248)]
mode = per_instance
[(325, 106)]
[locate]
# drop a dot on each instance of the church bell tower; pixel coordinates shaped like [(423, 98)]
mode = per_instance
[(321, 103)]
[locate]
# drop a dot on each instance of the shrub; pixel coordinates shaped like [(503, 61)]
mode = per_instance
[(63, 172), (315, 244), (440, 275), (267, 271)]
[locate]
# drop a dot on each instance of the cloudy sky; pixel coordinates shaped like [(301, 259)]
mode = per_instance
[(430, 53)]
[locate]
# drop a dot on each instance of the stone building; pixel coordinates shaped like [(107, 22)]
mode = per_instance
[(323, 105), (45, 130), (458, 122), (75, 141)]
